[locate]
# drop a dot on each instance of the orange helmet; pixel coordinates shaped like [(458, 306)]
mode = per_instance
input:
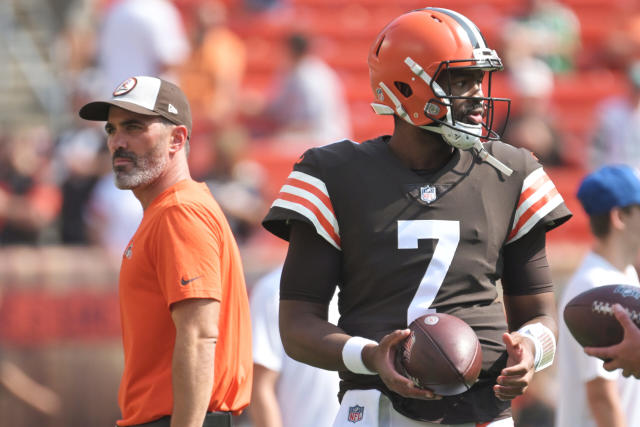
[(409, 55)]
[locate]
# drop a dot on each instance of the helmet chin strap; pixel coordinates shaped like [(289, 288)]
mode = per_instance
[(484, 155), (466, 141)]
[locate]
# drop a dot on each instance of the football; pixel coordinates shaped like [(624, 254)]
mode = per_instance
[(442, 354), (589, 316)]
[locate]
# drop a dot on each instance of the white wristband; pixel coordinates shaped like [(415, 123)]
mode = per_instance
[(544, 342), (352, 355)]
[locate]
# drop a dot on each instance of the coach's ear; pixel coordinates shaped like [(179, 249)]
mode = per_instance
[(178, 139)]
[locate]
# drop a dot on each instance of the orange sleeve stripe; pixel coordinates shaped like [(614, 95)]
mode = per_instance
[(532, 210), (537, 184), (316, 212), (311, 189)]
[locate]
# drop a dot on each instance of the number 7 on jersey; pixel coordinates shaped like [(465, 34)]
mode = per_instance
[(447, 234)]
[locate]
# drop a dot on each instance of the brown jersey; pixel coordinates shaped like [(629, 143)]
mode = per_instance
[(413, 243)]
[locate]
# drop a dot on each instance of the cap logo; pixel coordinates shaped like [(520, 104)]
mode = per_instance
[(172, 109), (125, 87)]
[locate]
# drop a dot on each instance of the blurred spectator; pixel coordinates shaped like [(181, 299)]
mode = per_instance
[(262, 5), (286, 393), (77, 159), (212, 75), (141, 37), (308, 104), (19, 384), (22, 386), (29, 200), (236, 183), (622, 43), (76, 189), (76, 44), (617, 133), (531, 124), (547, 30)]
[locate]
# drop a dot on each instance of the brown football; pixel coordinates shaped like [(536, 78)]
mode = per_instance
[(589, 315), (442, 354)]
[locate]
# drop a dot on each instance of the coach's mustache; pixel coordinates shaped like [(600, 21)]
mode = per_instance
[(120, 153)]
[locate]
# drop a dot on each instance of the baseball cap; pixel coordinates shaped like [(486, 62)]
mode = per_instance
[(146, 95), (609, 187)]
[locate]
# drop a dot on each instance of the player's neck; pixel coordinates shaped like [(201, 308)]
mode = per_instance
[(615, 252), (418, 148)]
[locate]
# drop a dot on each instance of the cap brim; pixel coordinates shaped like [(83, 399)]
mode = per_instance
[(99, 110)]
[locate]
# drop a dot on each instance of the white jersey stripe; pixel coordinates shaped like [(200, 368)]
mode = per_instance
[(537, 216), (312, 180), (312, 198), (531, 178), (307, 213)]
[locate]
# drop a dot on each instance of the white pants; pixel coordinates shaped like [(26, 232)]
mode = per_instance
[(371, 408)]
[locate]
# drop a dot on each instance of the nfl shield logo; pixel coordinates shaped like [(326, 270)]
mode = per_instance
[(428, 193), (355, 413)]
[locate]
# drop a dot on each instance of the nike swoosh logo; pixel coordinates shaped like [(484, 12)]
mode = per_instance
[(186, 282)]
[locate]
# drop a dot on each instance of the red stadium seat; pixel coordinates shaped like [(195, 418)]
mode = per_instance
[(343, 33)]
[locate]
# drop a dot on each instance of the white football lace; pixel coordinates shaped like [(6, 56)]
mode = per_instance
[(606, 308)]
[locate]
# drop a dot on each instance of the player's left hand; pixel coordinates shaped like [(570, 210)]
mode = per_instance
[(516, 376)]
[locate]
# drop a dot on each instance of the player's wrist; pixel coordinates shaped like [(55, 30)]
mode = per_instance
[(352, 355), (544, 344)]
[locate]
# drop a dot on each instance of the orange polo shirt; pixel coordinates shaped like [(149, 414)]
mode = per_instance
[(182, 249)]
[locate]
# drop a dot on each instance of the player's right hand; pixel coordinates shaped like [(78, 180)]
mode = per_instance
[(381, 358), (624, 355)]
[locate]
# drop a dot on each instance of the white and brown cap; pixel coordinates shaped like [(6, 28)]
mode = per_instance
[(144, 95)]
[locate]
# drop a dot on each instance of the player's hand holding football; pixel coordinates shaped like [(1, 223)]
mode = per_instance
[(516, 376), (381, 358), (626, 354)]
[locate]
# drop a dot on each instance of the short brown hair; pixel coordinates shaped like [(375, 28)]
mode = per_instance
[(168, 122), (601, 223)]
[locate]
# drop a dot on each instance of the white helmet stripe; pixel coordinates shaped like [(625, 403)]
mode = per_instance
[(399, 109), (420, 72), (475, 36)]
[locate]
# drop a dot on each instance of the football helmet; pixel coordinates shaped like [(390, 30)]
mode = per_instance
[(408, 57)]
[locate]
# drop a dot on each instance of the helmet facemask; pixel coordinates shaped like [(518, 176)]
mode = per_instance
[(408, 63), (456, 132)]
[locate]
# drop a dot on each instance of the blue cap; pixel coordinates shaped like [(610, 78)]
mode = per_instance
[(609, 187)]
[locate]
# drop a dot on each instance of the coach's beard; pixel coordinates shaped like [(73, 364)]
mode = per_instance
[(141, 171)]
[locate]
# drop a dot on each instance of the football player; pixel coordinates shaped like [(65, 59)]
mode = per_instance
[(429, 219)]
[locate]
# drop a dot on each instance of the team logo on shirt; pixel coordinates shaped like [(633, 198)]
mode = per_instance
[(129, 251), (428, 193), (355, 413)]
